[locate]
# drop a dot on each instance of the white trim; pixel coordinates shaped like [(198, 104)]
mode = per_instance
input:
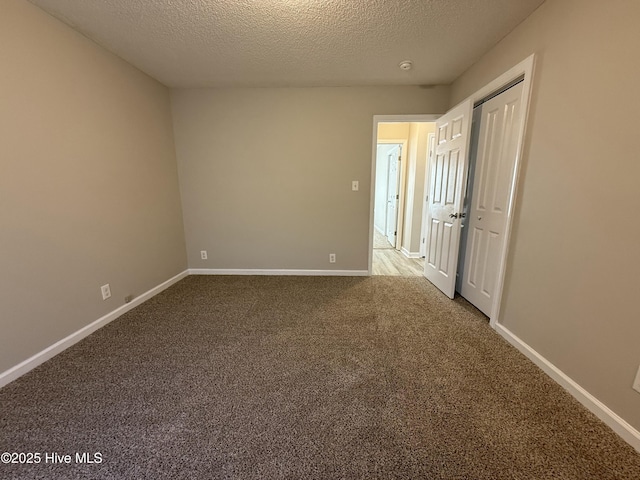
[(39, 358), (409, 254), (374, 143), (604, 413), (275, 272), (599, 409)]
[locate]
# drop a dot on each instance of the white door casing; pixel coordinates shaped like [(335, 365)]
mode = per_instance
[(487, 216), (446, 196)]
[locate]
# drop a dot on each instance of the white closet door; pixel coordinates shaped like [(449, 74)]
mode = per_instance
[(492, 184)]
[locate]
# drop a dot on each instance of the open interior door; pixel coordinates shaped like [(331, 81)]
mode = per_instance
[(446, 197)]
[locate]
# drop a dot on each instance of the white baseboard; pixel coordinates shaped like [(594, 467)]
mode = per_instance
[(51, 351), (409, 254), (319, 273), (604, 413)]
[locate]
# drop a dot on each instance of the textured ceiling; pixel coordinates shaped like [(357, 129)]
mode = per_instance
[(195, 43)]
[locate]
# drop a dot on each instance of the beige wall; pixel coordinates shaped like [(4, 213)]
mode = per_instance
[(266, 174), (394, 131), (572, 281), (88, 182)]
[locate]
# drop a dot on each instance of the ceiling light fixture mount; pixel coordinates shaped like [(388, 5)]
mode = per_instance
[(406, 65)]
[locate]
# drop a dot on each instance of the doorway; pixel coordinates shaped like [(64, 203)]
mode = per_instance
[(397, 205)]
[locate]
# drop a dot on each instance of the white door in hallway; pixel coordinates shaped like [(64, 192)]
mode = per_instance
[(393, 195), (447, 180), (487, 214)]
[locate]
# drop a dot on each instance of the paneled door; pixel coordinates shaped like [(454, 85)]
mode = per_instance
[(447, 180), (492, 183), (393, 195)]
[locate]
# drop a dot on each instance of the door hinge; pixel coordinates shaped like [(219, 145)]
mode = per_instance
[(395, 233), (397, 197)]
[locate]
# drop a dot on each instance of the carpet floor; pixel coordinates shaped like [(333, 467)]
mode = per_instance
[(302, 378)]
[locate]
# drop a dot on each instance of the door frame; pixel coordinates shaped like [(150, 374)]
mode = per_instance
[(525, 67), (377, 119)]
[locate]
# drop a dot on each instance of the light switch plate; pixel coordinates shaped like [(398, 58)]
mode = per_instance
[(355, 185)]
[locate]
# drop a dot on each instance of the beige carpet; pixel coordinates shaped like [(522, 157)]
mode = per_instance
[(303, 378)]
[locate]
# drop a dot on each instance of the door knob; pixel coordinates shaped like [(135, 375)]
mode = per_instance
[(453, 215)]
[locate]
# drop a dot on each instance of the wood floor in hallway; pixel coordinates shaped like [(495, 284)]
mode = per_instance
[(391, 262)]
